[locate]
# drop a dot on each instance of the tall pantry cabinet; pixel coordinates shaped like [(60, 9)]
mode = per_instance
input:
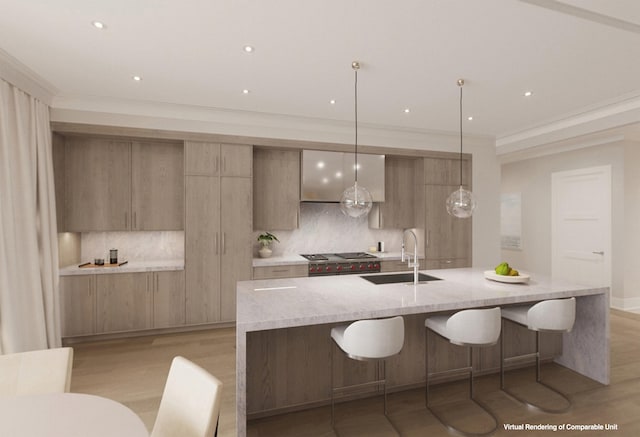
[(218, 228)]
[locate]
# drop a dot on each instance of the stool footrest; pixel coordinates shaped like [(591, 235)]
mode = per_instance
[(364, 384), (452, 371)]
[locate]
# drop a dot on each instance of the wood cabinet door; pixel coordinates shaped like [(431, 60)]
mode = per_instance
[(236, 248), (201, 159), (168, 299), (236, 160), (398, 209), (276, 189), (97, 184), (157, 195), (202, 249), (124, 302), (446, 171), (78, 305), (446, 236)]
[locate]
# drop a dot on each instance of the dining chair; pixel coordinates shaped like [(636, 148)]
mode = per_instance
[(36, 372), (468, 328), (190, 404), (368, 340), (554, 315)]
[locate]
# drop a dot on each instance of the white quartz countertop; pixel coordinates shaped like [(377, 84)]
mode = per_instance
[(130, 267), (293, 259), (281, 303)]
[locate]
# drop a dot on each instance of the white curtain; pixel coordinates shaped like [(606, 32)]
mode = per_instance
[(29, 310)]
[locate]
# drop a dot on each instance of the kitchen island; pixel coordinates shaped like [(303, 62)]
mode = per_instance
[(283, 330)]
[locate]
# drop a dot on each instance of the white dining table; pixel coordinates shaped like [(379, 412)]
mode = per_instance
[(67, 415)]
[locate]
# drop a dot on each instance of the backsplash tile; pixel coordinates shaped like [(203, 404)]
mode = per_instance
[(324, 228), (133, 246)]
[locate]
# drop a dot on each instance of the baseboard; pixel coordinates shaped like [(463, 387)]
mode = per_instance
[(625, 304)]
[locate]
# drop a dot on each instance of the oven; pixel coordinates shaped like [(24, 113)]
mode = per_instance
[(346, 263)]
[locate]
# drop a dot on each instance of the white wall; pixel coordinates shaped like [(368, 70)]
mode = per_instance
[(532, 178)]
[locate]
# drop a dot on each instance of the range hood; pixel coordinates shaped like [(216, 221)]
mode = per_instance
[(325, 175)]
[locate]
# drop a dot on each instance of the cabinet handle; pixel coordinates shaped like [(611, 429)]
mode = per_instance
[(598, 253), (216, 242), (157, 282), (217, 167), (447, 261), (428, 237), (135, 221), (224, 164), (280, 270), (224, 246), (126, 222)]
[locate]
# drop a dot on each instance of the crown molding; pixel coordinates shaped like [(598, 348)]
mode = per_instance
[(197, 119), (614, 114), (21, 76)]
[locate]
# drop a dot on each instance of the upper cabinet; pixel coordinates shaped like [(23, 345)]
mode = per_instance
[(399, 208), (97, 195), (157, 194), (211, 159), (276, 189), (119, 185)]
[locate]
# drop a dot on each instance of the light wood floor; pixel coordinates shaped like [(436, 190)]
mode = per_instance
[(133, 372)]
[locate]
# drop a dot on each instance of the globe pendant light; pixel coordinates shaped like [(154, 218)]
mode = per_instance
[(461, 202), (356, 200)]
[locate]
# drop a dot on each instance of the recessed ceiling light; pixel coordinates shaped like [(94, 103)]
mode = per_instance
[(333, 102), (245, 91), (248, 49), (320, 164), (338, 174), (407, 110), (528, 93), (136, 78), (98, 25), (469, 118)]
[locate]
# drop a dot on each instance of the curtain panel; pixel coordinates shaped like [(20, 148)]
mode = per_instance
[(29, 308)]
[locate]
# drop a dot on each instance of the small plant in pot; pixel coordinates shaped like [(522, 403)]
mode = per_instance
[(265, 239)]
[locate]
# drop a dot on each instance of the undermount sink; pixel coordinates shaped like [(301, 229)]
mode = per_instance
[(397, 278)]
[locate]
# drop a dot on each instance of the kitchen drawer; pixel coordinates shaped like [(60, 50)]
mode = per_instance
[(285, 271), (396, 266), (446, 263)]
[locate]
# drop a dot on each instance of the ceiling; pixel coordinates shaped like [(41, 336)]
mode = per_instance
[(574, 55)]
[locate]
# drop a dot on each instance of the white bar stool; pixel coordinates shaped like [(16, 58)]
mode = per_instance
[(368, 340), (557, 315), (469, 328)]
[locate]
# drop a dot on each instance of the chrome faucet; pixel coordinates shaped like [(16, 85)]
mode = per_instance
[(415, 264)]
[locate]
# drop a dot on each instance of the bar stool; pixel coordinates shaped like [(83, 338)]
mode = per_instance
[(368, 340), (469, 328), (557, 315)]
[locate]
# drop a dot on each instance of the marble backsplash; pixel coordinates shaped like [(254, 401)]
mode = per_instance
[(325, 229), (133, 246)]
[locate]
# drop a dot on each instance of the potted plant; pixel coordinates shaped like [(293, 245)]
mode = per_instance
[(265, 239)]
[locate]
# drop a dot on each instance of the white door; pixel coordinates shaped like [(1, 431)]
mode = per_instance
[(581, 225)]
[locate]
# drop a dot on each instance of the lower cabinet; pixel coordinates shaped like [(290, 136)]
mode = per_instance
[(282, 271), (168, 299), (124, 302), (78, 305), (121, 302), (397, 266)]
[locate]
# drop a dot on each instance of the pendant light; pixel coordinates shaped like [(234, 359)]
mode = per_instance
[(461, 202), (356, 200)]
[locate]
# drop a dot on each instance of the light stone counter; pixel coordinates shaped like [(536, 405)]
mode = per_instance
[(284, 303), (279, 261), (130, 267), (293, 259)]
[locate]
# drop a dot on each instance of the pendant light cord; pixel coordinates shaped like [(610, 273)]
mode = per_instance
[(461, 136), (356, 118)]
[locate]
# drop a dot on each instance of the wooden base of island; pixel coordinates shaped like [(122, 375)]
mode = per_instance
[(289, 369), (283, 334)]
